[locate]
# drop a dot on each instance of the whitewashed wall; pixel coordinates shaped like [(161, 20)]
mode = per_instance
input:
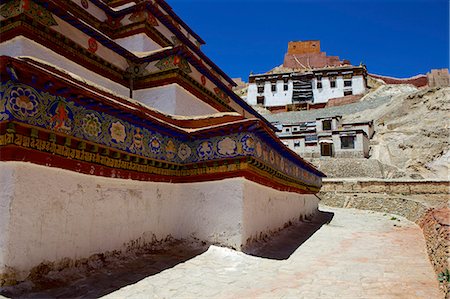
[(22, 46), (138, 43), (48, 214), (358, 85), (361, 149), (266, 209), (279, 98), (173, 99), (322, 95)]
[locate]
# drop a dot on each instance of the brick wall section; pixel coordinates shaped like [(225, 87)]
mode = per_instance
[(344, 100), (303, 47), (313, 60), (418, 81)]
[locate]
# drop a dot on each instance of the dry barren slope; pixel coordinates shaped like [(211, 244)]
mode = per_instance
[(412, 130)]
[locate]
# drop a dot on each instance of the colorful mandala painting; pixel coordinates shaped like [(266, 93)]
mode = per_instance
[(117, 131), (23, 102), (248, 143), (91, 125), (227, 147), (171, 150), (155, 145), (184, 151), (205, 150)]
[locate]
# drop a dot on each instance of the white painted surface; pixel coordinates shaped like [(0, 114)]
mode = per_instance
[(280, 97), (173, 99), (138, 43), (82, 39), (361, 148), (322, 95), (50, 213), (266, 209), (6, 198), (21, 46)]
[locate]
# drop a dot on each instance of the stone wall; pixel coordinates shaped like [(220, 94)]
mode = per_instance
[(436, 229), (423, 202), (405, 187), (350, 167)]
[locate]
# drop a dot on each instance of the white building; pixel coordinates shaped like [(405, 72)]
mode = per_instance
[(327, 137), (316, 86)]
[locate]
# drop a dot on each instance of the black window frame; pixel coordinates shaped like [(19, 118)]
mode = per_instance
[(348, 142), (260, 100), (348, 92), (328, 126)]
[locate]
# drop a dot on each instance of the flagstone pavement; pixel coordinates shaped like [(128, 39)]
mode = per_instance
[(358, 254)]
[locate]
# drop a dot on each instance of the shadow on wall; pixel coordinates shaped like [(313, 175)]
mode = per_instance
[(282, 244), (94, 281)]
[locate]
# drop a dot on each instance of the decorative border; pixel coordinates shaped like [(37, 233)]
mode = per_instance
[(25, 104), (23, 143)]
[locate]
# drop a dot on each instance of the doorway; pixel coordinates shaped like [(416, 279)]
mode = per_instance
[(326, 149)]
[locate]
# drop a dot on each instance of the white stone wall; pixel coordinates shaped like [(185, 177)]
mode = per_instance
[(280, 97), (322, 95), (266, 209), (22, 46), (173, 99), (138, 43), (48, 214), (361, 149)]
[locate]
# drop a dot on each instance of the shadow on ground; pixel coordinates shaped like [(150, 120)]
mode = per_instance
[(282, 244), (110, 277)]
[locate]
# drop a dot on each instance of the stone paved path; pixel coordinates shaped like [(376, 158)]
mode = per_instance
[(358, 254)]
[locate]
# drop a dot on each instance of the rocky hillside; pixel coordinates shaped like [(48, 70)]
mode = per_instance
[(412, 132)]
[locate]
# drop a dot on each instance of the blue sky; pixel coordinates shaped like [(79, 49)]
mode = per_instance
[(399, 38)]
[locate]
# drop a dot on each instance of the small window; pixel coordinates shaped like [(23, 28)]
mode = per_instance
[(333, 83), (274, 87), (285, 86), (296, 143), (288, 130), (347, 83), (348, 92), (295, 129), (260, 88), (260, 100), (326, 125), (347, 142), (319, 84)]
